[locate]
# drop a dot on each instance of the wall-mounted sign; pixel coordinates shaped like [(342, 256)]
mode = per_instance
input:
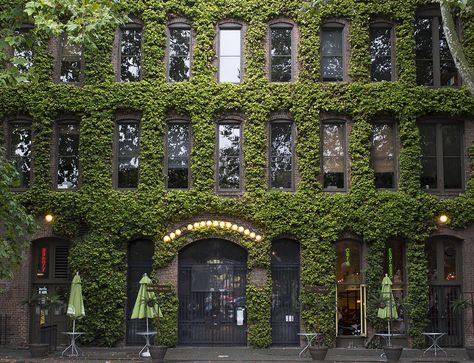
[(159, 288), (316, 288)]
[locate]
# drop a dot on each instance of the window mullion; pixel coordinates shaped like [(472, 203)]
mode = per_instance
[(436, 52), (439, 157)]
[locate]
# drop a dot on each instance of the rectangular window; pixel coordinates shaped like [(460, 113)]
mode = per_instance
[(281, 155), (230, 55), (383, 155), (71, 62), (434, 63), (229, 157), (68, 155), (130, 54), (332, 59), (333, 156), (442, 156), (128, 154), (179, 65), (381, 53), (23, 52), (178, 151), (20, 153), (280, 54)]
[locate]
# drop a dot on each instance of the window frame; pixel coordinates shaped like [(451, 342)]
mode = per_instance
[(281, 120), (57, 73), (396, 151), (336, 24), (179, 23), (231, 24), (282, 24), (341, 120), (231, 120), (383, 23), (134, 24), (19, 120), (122, 118), (23, 29), (434, 13), (178, 120), (51, 243), (438, 121), (440, 243), (55, 169)]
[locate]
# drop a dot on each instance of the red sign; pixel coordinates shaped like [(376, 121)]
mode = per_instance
[(44, 259)]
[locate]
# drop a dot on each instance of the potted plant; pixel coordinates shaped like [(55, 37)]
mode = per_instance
[(42, 303), (459, 305), (318, 351)]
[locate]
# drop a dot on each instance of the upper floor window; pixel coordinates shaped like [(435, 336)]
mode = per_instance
[(444, 260), (442, 155), (382, 52), (128, 150), (67, 166), (281, 52), (229, 170), (333, 52), (333, 161), (23, 51), (71, 62), (178, 153), (19, 152), (383, 158), (179, 52), (281, 155), (434, 63), (130, 52), (230, 53)]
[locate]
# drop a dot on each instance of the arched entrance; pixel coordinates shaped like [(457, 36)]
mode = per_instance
[(285, 265), (211, 292), (140, 255)]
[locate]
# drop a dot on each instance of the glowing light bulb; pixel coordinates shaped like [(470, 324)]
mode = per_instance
[(258, 237), (215, 223), (252, 234), (222, 224), (234, 227), (172, 235), (190, 227), (48, 218), (246, 232), (443, 218), (202, 224), (178, 232), (208, 223), (196, 225), (241, 229), (228, 224), (166, 238)]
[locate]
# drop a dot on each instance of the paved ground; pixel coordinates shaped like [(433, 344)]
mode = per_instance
[(234, 354)]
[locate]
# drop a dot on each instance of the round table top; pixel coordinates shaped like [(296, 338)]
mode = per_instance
[(434, 334), (146, 333), (308, 334), (389, 335), (73, 332)]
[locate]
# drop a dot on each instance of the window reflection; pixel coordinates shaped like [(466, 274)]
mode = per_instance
[(68, 155), (130, 54), (71, 62), (281, 155), (333, 155), (179, 54), (381, 53), (178, 155), (280, 54), (383, 155), (230, 55), (20, 153), (331, 54), (24, 51), (229, 156), (128, 154)]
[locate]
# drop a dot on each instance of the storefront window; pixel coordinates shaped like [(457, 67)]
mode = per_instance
[(443, 261)]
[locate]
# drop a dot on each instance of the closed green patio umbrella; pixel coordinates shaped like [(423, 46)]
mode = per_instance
[(146, 305), (389, 310), (75, 307)]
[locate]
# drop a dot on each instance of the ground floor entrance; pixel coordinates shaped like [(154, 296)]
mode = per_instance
[(212, 277)]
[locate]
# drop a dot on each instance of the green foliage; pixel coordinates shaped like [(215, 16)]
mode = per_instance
[(167, 325), (314, 218)]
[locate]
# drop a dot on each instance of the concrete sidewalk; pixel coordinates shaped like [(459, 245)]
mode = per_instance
[(233, 354)]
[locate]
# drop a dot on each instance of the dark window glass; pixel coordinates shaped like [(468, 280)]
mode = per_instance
[(434, 63), (280, 54), (179, 55), (178, 155), (442, 157), (128, 154), (383, 155), (71, 62), (68, 155), (23, 51), (348, 264), (281, 155), (20, 153), (130, 54), (394, 265), (332, 60), (381, 53), (443, 260), (230, 55), (333, 156), (229, 156)]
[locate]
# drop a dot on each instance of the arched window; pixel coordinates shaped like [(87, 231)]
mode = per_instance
[(333, 155), (230, 52), (334, 52), (281, 51), (382, 51), (19, 145), (127, 151), (179, 51)]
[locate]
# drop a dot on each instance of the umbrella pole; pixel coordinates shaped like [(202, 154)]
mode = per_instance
[(147, 324), (73, 325), (389, 341)]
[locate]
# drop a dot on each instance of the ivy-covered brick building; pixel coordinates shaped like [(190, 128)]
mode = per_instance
[(270, 164)]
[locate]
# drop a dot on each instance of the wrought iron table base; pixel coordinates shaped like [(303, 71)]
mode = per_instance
[(75, 350)]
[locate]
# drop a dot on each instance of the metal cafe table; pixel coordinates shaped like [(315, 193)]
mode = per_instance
[(147, 335), (309, 339), (434, 337), (73, 346), (387, 338)]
